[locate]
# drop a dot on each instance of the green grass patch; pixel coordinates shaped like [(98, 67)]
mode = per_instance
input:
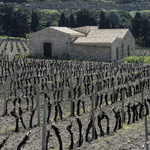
[(135, 59)]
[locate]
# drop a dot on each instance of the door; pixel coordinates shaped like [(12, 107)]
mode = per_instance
[(47, 49)]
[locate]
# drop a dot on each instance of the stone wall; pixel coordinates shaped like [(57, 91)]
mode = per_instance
[(59, 40), (125, 47), (116, 45), (88, 52), (129, 43)]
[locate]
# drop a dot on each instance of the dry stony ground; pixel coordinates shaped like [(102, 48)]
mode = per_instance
[(130, 137)]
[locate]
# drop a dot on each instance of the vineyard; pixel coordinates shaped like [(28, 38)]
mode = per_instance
[(14, 47), (60, 104)]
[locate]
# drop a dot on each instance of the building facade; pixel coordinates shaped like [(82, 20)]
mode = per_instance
[(86, 43)]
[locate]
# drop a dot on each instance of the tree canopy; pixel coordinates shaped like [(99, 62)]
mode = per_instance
[(103, 21), (34, 21)]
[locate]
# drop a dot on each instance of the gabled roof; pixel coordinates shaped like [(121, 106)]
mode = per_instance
[(67, 31), (101, 36), (107, 33), (94, 35), (85, 29), (93, 40)]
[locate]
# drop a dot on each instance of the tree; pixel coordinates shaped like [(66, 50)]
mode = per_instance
[(104, 21), (34, 21), (67, 22), (6, 18), (48, 23), (21, 24), (107, 25), (63, 20), (114, 19), (137, 25), (126, 19), (84, 17), (145, 31), (24, 25), (72, 21)]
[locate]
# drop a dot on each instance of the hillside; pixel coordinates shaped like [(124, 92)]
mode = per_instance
[(126, 5), (26, 1), (61, 5)]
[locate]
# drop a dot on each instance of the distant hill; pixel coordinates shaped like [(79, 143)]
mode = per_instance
[(73, 5), (61, 5), (26, 1)]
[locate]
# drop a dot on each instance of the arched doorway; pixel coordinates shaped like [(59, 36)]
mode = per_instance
[(47, 49)]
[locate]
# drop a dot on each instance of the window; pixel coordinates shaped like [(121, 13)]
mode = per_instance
[(117, 53), (128, 50), (122, 51)]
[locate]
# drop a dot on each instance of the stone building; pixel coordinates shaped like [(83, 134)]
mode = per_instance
[(88, 43)]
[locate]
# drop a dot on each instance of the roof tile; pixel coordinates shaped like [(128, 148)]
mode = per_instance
[(67, 30), (107, 33), (93, 40)]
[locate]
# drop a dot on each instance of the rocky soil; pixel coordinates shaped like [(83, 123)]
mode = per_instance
[(129, 137)]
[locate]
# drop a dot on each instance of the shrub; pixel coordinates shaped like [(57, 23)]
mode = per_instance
[(135, 59)]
